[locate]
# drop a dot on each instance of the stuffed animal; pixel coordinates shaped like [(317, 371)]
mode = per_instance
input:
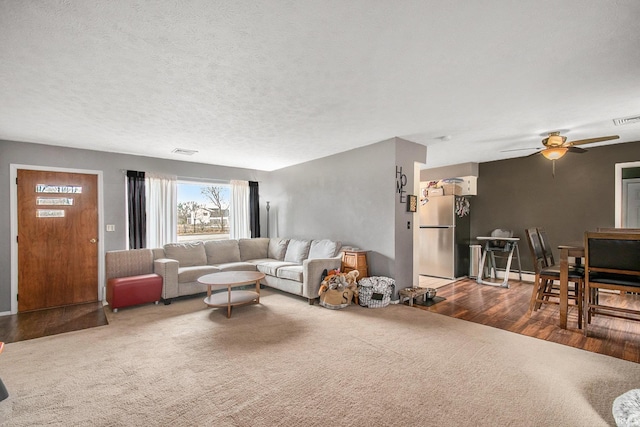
[(352, 283), (334, 280), (328, 278)]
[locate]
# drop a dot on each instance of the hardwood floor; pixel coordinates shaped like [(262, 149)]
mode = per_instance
[(40, 323), (507, 309), (493, 306)]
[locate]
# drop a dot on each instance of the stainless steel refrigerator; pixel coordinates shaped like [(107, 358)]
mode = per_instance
[(444, 236)]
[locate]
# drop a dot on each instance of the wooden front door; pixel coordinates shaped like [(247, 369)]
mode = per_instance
[(57, 239)]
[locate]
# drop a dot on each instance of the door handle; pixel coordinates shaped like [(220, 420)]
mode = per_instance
[(93, 240)]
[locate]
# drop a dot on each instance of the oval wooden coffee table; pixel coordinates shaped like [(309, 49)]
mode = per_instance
[(229, 280)]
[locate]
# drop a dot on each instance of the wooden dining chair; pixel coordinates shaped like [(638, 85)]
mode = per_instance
[(612, 262), (618, 230), (3, 390), (544, 291)]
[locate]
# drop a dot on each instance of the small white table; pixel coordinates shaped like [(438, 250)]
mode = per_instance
[(511, 246), (229, 280)]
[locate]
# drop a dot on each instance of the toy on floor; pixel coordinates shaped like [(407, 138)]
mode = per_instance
[(337, 289)]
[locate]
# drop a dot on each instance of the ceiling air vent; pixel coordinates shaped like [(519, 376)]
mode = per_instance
[(626, 120), (184, 151)]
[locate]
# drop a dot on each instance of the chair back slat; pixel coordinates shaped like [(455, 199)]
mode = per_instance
[(533, 238), (546, 247)]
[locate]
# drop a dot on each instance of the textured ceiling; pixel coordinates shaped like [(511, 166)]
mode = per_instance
[(270, 84)]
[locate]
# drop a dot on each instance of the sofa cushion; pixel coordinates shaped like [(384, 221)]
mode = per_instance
[(187, 254), (191, 274), (261, 260), (277, 248), (323, 249), (222, 251), (271, 268), (237, 266), (297, 251), (253, 248), (292, 272)]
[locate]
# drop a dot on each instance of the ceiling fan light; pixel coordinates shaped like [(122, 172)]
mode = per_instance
[(554, 153)]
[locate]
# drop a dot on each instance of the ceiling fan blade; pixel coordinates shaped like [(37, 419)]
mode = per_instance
[(533, 154), (577, 150), (519, 149), (592, 140)]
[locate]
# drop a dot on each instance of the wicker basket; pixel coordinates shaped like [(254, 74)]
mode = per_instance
[(375, 291), (452, 189)]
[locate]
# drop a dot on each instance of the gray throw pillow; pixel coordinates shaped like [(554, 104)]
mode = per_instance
[(297, 251), (277, 248), (323, 249)]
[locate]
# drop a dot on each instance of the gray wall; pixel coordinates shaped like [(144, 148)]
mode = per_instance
[(521, 193), (407, 154), (111, 166), (350, 197)]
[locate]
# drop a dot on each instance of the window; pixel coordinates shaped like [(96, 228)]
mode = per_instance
[(203, 210)]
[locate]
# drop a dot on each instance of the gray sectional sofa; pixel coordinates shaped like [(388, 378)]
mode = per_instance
[(291, 265)]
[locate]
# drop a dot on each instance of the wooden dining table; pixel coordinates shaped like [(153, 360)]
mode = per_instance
[(572, 250)]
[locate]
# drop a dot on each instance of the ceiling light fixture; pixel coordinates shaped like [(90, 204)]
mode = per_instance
[(554, 153)]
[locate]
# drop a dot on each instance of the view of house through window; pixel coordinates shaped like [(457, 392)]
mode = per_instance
[(203, 211)]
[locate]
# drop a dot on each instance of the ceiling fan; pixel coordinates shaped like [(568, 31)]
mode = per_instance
[(557, 145)]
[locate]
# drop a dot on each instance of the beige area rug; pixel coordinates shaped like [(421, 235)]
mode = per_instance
[(287, 363)]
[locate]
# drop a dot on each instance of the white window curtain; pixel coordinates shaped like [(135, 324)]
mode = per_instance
[(239, 224), (162, 209)]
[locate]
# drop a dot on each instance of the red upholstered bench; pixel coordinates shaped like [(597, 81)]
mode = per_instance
[(133, 290)]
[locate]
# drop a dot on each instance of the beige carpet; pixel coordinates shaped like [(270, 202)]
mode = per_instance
[(290, 364)]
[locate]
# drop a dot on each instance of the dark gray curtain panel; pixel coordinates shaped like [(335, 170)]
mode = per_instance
[(254, 209), (136, 206)]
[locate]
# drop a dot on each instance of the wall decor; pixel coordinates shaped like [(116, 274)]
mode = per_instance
[(463, 207), (49, 213), (50, 201), (401, 182), (412, 203), (58, 189)]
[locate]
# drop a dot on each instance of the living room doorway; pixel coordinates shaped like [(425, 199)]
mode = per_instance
[(627, 195), (56, 253)]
